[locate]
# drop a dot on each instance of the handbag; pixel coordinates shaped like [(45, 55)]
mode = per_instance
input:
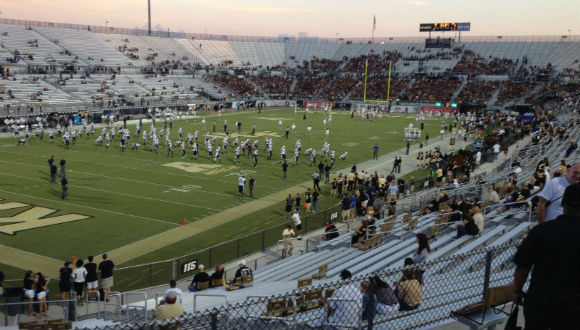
[(512, 321)]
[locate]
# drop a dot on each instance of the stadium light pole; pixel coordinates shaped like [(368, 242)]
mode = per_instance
[(149, 16)]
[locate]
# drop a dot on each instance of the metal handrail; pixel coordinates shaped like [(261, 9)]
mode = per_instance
[(144, 307)]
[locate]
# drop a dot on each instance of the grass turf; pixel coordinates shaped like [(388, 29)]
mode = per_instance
[(131, 195)]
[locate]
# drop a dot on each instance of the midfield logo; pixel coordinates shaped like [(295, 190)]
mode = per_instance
[(32, 218)]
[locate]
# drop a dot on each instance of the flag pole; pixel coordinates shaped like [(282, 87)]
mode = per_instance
[(374, 28)]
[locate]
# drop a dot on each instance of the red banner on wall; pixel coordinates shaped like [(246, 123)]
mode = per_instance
[(318, 104), (439, 110)]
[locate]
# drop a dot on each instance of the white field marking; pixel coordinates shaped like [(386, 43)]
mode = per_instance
[(160, 163), (90, 207), (350, 144), (28, 252), (117, 178), (119, 193)]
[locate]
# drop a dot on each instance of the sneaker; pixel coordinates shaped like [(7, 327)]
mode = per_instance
[(299, 238)]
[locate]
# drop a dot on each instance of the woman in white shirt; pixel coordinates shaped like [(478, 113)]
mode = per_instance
[(79, 276), (423, 250)]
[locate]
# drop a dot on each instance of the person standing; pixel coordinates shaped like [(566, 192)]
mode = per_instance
[(287, 236), (92, 279), (298, 223), (551, 251), (315, 196), (64, 280), (316, 181), (241, 184), (288, 207), (106, 268), (51, 161), (79, 275), (64, 184), (408, 147), (285, 168), (53, 170), (62, 168), (327, 169), (376, 151), (251, 184), (550, 203)]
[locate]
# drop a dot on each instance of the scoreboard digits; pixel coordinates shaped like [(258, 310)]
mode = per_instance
[(444, 27)]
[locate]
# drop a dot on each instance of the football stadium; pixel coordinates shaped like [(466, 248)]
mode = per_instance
[(153, 179)]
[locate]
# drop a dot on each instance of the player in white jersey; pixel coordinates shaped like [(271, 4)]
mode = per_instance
[(296, 156), (255, 158), (343, 156), (269, 151), (155, 146), (332, 158), (237, 157), (99, 140), (209, 151), (282, 153), (327, 132), (195, 150), (293, 128), (309, 130), (169, 148), (280, 125), (180, 132), (313, 158), (203, 123), (183, 149), (217, 156), (135, 146), (58, 129), (51, 135)]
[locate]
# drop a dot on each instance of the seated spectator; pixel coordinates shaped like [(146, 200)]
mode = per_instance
[(493, 196), (408, 291), (216, 279), (345, 304), (417, 273), (200, 280), (172, 288), (506, 203), (422, 252), (330, 232), (360, 231), (242, 271), (472, 224), (383, 294), (170, 309)]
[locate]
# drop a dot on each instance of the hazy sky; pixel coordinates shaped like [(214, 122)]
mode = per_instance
[(324, 18)]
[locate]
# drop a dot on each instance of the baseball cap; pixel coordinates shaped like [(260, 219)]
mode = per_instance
[(171, 296), (242, 262)]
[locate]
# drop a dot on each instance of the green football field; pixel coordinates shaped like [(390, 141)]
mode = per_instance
[(119, 198)]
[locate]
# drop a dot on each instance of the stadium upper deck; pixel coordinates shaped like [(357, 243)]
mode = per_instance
[(127, 68)]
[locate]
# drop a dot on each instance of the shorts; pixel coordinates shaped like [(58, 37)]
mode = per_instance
[(64, 286), (240, 189), (345, 213), (107, 283), (29, 294), (79, 288), (439, 179), (93, 285), (299, 227), (288, 208), (41, 295)]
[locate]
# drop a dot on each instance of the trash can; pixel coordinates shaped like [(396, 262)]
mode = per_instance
[(13, 295)]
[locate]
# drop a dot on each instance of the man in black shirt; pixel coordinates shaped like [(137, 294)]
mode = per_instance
[(92, 279), (64, 184), (288, 206), (251, 184), (285, 168), (62, 170), (201, 277), (327, 169), (106, 268), (298, 200), (53, 170), (315, 195), (552, 248)]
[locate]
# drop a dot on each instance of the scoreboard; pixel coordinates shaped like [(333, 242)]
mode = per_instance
[(444, 27)]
